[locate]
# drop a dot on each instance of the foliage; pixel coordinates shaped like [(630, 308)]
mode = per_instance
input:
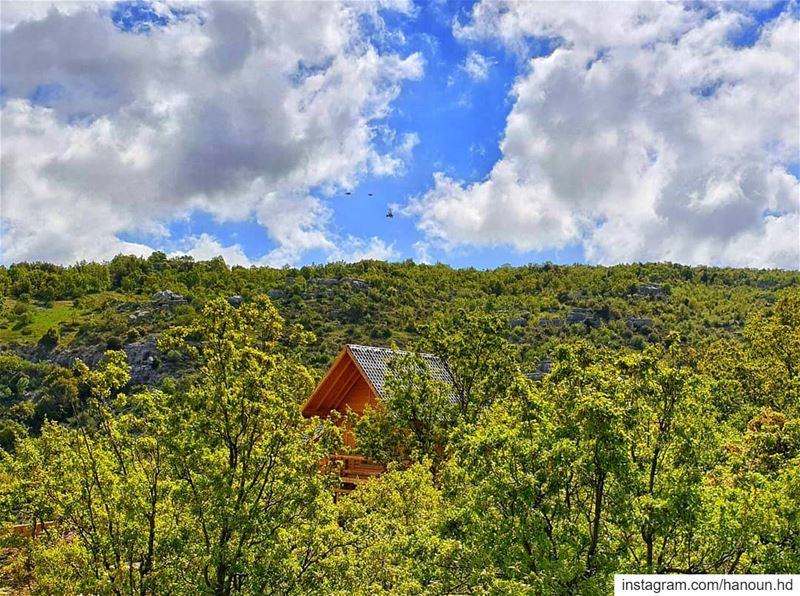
[(664, 446)]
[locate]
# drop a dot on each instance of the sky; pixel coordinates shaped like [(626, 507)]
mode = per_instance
[(286, 133)]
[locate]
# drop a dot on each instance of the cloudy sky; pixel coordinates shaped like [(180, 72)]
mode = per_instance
[(275, 133)]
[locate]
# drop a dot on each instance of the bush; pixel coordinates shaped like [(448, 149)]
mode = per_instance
[(50, 339), (173, 356)]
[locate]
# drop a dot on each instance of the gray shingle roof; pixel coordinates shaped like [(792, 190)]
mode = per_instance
[(375, 363)]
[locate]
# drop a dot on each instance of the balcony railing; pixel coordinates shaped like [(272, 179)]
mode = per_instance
[(356, 470)]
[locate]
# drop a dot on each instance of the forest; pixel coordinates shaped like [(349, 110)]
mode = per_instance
[(639, 418)]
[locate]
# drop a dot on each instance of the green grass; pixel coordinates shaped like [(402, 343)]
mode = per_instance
[(42, 319), (62, 313)]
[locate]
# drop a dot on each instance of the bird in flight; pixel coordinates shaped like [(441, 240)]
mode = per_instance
[(348, 193), (369, 194), (390, 214)]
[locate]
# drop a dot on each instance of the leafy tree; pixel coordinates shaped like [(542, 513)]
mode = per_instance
[(414, 422), (102, 486), (479, 359), (392, 541), (246, 461)]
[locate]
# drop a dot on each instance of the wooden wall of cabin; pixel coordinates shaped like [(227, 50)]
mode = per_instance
[(357, 398)]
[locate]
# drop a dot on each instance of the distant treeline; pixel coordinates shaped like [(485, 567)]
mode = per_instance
[(131, 274)]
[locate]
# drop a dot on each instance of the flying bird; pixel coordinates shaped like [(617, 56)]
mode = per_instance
[(369, 194), (390, 214), (348, 193)]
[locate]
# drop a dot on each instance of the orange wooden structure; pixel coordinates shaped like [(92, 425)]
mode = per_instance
[(355, 381), (346, 387)]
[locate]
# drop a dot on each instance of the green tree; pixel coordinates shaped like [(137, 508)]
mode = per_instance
[(414, 421), (103, 487), (246, 461)]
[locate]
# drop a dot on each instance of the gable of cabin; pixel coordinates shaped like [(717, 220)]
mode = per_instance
[(344, 387), (354, 382), (357, 379)]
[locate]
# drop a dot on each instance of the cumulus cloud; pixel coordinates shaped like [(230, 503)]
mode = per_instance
[(477, 66), (205, 247), (646, 135), (235, 109), (355, 249)]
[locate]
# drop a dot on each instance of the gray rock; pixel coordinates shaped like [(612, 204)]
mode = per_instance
[(545, 366), (653, 290), (545, 322), (518, 322), (144, 358), (168, 298), (323, 281), (275, 293), (638, 323), (580, 315), (355, 283), (235, 301)]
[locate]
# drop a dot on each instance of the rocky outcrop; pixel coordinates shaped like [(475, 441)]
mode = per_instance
[(168, 298), (235, 301), (545, 366), (581, 315), (147, 364), (546, 322), (355, 283), (328, 282), (138, 315), (638, 323), (653, 290), (518, 322)]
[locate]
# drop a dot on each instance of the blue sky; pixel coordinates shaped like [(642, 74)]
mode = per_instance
[(511, 135), (459, 122)]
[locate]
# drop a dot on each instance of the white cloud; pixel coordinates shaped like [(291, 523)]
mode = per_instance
[(477, 66), (205, 247), (355, 249), (233, 109), (422, 252), (644, 136)]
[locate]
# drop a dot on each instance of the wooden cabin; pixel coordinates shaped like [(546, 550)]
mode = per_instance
[(355, 381)]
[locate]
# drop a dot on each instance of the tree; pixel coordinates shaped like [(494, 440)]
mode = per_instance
[(246, 462), (212, 489), (673, 440), (103, 488), (392, 540), (415, 419)]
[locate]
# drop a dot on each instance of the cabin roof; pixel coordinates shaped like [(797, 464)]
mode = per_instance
[(375, 364), (371, 363)]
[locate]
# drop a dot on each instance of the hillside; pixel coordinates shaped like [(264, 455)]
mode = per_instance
[(53, 315), (638, 418)]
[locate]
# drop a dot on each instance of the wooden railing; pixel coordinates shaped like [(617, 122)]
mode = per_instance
[(356, 470)]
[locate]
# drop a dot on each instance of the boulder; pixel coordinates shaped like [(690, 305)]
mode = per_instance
[(168, 298), (323, 281), (138, 315), (235, 301), (355, 283), (580, 315), (545, 322), (545, 366), (653, 290), (638, 323)]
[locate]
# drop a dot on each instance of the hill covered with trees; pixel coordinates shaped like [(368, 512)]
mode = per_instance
[(637, 418)]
